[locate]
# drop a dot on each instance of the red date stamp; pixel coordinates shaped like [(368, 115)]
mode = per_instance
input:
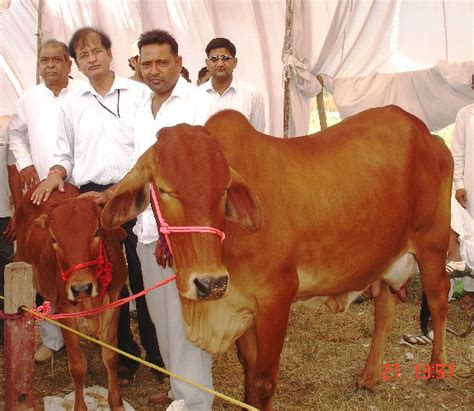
[(392, 371)]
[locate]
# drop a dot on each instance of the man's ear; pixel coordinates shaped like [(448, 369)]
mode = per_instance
[(243, 206)]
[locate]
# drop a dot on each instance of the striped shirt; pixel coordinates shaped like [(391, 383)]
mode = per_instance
[(95, 135)]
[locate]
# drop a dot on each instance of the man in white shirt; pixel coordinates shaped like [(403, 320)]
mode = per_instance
[(228, 92), (9, 177), (462, 148), (32, 135), (172, 101), (33, 130), (95, 149)]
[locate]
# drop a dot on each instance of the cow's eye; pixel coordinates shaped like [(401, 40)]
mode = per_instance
[(166, 194)]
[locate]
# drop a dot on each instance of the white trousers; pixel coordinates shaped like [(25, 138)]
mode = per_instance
[(179, 354), (463, 224)]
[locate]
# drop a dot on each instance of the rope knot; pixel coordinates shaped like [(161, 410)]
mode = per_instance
[(44, 309)]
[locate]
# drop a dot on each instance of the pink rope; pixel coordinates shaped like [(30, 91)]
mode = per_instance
[(41, 309)]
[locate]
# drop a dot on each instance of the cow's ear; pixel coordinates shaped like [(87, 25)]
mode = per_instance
[(242, 206), (130, 197), (114, 234), (41, 221)]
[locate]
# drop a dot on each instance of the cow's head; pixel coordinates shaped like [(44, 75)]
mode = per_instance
[(74, 229), (195, 187)]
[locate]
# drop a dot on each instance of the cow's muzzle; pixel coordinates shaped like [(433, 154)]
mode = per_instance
[(82, 291), (211, 288)]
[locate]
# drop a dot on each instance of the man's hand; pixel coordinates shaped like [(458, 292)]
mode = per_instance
[(10, 231), (28, 177), (461, 196), (44, 190)]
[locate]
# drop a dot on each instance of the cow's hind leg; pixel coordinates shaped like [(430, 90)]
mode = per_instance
[(436, 285), (77, 365), (384, 311)]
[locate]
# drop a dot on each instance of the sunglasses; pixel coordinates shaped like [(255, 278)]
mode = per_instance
[(225, 59)]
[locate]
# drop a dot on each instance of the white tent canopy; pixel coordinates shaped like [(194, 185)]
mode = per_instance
[(417, 54)]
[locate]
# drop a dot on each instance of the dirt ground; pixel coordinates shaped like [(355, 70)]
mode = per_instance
[(322, 357)]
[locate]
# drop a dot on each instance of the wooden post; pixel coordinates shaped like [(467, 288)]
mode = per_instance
[(39, 38), (321, 109), (286, 49), (19, 339)]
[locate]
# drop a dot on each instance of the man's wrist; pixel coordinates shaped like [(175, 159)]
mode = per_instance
[(57, 172)]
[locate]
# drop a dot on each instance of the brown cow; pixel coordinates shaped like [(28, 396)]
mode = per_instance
[(56, 236), (324, 216)]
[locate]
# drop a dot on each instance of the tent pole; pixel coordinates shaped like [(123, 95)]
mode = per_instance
[(320, 103), (286, 49), (39, 35)]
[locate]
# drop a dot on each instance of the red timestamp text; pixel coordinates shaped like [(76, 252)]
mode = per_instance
[(392, 371)]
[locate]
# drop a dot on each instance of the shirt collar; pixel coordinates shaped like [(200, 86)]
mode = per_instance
[(180, 90), (208, 85), (119, 83)]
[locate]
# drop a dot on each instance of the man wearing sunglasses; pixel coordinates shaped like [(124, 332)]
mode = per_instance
[(228, 92)]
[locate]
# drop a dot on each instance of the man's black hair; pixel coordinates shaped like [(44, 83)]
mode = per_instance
[(221, 43), (158, 37), (82, 33), (202, 73)]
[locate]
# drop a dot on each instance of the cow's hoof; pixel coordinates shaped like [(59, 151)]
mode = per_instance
[(366, 383)]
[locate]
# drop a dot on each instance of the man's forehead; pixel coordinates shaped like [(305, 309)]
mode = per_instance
[(159, 50), (89, 40), (219, 51), (52, 50)]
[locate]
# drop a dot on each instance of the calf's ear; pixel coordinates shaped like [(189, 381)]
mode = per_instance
[(130, 197), (242, 205)]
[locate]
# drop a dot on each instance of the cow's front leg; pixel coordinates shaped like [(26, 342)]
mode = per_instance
[(108, 334), (384, 311), (77, 363), (260, 348)]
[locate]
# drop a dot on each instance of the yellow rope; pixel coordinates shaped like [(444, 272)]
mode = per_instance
[(141, 361)]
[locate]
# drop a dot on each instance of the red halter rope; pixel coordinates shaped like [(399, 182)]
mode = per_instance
[(104, 269), (165, 229)]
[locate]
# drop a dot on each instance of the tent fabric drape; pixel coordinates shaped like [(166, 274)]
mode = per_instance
[(376, 53), (370, 52), (256, 28), (434, 95)]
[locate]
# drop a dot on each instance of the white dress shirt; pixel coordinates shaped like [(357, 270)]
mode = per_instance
[(33, 130), (242, 97), (95, 137), (462, 149), (186, 104)]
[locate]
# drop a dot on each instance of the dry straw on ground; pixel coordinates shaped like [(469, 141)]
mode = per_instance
[(322, 357)]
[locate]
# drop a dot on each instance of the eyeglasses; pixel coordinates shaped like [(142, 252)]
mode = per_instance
[(87, 54), (225, 59)]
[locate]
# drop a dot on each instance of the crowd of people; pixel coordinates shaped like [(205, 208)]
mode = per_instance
[(91, 133)]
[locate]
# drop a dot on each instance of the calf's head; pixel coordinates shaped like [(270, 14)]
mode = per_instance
[(74, 229), (195, 187)]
